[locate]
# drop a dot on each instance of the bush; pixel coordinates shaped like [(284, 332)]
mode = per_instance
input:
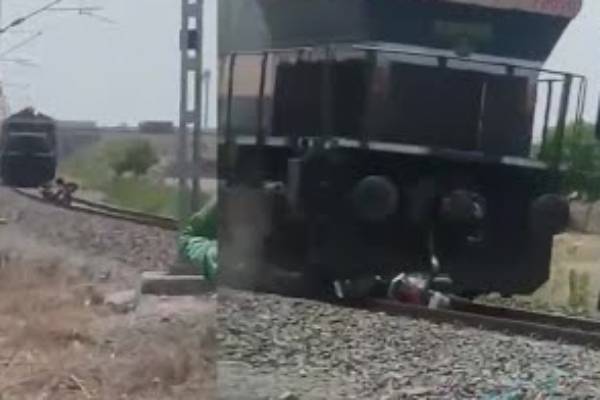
[(581, 156), (136, 156)]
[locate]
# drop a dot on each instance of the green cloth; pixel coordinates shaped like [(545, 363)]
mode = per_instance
[(204, 223), (198, 241)]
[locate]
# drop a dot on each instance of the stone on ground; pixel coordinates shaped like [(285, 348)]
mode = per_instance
[(122, 302)]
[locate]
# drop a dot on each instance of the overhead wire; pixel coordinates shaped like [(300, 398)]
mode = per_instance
[(21, 44), (26, 17)]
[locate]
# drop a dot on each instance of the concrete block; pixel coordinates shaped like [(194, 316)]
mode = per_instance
[(585, 217), (593, 222), (163, 284), (580, 214), (183, 268)]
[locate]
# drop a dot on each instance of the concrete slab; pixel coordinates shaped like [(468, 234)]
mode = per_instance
[(182, 268), (163, 284)]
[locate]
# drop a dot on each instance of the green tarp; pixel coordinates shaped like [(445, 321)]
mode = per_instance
[(198, 241)]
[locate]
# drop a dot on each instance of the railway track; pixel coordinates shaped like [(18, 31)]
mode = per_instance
[(531, 324), (544, 326), (103, 210), (512, 321)]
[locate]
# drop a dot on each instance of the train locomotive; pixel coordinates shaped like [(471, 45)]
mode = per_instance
[(28, 149), (361, 139)]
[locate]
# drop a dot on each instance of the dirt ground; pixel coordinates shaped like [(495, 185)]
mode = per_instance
[(59, 339)]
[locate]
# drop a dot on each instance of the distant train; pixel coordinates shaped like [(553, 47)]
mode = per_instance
[(28, 149), (157, 127)]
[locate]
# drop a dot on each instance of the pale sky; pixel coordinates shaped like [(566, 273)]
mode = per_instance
[(130, 71), (89, 69), (578, 51)]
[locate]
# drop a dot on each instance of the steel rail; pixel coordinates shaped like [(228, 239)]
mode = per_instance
[(121, 211), (530, 324), (103, 210), (462, 313)]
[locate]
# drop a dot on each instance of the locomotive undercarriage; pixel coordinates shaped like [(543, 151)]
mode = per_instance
[(27, 171), (339, 213)]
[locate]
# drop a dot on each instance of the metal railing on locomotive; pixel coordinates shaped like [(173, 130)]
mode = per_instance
[(555, 87)]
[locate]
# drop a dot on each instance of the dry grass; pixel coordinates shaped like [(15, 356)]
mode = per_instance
[(57, 341)]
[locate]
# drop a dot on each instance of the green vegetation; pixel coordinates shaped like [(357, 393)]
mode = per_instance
[(136, 156), (118, 169), (581, 156)]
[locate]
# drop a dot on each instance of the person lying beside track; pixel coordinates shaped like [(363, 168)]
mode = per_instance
[(59, 192)]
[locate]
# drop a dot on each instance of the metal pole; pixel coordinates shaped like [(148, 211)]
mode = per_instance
[(195, 200), (549, 97), (562, 119), (183, 107), (482, 111), (230, 145), (206, 76), (260, 130), (373, 65), (191, 104)]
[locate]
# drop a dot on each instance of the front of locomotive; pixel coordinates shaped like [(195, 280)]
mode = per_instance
[(28, 150), (413, 148)]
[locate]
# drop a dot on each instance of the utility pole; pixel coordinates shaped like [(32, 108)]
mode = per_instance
[(191, 45)]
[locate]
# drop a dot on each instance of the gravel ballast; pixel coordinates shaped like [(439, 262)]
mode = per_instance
[(73, 324), (273, 347), (141, 247), (270, 345)]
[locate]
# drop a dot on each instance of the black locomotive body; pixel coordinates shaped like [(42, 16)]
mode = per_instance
[(371, 159), (28, 150)]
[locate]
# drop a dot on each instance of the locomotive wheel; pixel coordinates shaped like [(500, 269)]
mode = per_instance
[(375, 198)]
